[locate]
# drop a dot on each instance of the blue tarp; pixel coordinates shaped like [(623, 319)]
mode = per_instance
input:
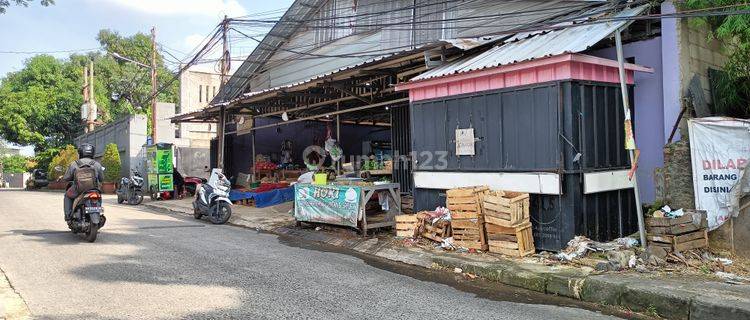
[(264, 199)]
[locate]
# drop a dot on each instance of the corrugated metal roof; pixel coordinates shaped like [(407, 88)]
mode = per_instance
[(534, 45)]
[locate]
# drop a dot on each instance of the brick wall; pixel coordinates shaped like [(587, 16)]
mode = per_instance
[(699, 53)]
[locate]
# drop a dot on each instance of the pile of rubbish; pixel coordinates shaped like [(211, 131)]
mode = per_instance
[(625, 254)]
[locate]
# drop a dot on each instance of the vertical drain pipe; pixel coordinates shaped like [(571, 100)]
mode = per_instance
[(626, 107)]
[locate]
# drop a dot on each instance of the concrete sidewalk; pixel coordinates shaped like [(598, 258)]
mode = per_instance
[(669, 298)]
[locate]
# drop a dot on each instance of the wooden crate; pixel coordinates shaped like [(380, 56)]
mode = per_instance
[(691, 221), (683, 242), (506, 209), (516, 241), (407, 204), (469, 233), (406, 225), (465, 203)]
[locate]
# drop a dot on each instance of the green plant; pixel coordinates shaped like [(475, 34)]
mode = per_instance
[(111, 163), (61, 161), (14, 164)]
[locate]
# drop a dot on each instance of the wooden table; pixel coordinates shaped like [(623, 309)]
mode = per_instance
[(394, 207)]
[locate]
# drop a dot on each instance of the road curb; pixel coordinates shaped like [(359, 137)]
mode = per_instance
[(12, 305), (651, 297)]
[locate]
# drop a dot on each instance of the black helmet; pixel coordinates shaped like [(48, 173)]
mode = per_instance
[(86, 150)]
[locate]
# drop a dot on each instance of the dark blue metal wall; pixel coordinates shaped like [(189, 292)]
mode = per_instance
[(537, 128)]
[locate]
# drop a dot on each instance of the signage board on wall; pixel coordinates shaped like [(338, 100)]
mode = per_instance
[(720, 149), (465, 142)]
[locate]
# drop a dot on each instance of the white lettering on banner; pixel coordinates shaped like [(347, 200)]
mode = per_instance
[(720, 148)]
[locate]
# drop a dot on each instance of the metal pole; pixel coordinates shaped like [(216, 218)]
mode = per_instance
[(85, 97), (92, 102), (631, 152), (222, 112), (338, 138), (153, 85), (253, 145)]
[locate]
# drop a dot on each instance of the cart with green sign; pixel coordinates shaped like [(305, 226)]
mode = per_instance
[(160, 168)]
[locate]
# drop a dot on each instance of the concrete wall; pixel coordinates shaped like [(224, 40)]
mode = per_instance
[(128, 133), (193, 97), (648, 109), (686, 52), (15, 180)]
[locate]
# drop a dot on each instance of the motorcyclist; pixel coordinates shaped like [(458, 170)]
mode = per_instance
[(85, 157)]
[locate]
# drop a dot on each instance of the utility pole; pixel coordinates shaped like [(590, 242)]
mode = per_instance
[(85, 105), (92, 110), (225, 63), (153, 85)]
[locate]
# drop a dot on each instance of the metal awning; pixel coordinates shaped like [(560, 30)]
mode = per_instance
[(529, 46)]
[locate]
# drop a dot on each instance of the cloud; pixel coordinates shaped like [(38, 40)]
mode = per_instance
[(194, 40), (206, 8)]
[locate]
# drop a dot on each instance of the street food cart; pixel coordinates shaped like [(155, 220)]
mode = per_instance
[(160, 168), (363, 207)]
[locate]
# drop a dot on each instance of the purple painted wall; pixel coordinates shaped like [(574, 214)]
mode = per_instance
[(649, 113), (670, 56)]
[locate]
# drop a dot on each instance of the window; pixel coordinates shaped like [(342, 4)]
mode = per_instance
[(200, 93), (213, 91), (207, 98)]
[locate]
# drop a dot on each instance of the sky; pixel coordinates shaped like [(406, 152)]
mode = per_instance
[(72, 25)]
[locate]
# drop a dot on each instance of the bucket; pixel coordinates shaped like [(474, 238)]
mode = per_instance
[(320, 178)]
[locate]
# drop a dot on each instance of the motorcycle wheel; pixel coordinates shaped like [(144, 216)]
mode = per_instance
[(92, 232), (197, 212), (220, 212), (120, 199), (137, 198), (152, 193)]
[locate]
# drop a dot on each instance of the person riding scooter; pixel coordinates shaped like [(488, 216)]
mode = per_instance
[(81, 183)]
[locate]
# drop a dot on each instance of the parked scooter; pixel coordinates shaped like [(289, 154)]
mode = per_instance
[(131, 189), (212, 199)]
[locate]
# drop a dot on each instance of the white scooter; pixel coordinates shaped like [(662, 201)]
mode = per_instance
[(212, 199)]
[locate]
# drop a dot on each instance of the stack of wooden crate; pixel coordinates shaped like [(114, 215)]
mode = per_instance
[(690, 231), (407, 225), (507, 223), (407, 204), (467, 220)]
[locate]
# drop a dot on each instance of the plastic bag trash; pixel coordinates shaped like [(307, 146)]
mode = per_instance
[(666, 209), (632, 262), (447, 243), (457, 270), (676, 213), (627, 242)]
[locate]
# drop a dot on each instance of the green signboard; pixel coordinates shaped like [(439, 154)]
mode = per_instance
[(337, 205), (160, 167)]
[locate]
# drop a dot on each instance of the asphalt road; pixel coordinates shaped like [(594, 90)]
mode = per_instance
[(149, 265)]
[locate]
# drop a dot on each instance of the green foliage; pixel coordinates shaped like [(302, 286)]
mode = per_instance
[(40, 104), (734, 33), (15, 163), (6, 3), (62, 160), (44, 158), (111, 163)]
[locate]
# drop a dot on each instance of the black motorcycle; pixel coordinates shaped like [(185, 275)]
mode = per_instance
[(131, 189), (88, 217)]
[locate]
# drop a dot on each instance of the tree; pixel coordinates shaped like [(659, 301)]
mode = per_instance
[(734, 33), (6, 3), (111, 163), (61, 161), (15, 163), (40, 104)]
